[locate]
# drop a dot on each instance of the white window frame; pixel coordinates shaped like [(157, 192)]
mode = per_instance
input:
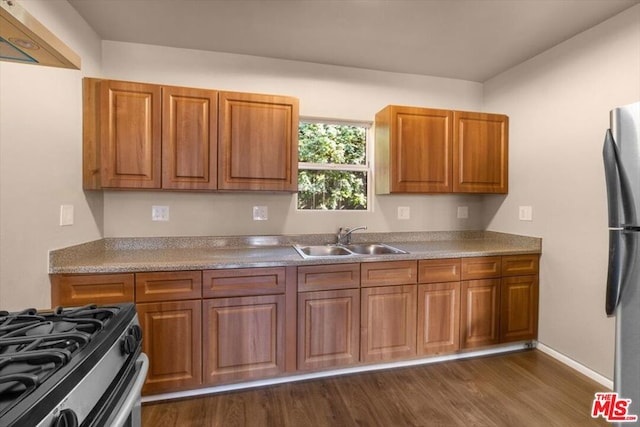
[(340, 167)]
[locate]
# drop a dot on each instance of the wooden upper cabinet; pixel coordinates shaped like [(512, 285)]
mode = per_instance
[(413, 150), (425, 150), (189, 138), (122, 134), (480, 153), (146, 136), (257, 142)]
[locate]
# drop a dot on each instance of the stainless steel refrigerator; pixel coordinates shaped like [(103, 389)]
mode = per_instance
[(622, 172)]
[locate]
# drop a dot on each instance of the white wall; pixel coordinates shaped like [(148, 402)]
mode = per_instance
[(41, 158), (324, 91), (559, 104)]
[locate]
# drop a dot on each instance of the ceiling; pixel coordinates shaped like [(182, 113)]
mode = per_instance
[(462, 39)]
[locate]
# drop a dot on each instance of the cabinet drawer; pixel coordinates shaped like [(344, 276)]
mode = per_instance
[(388, 273), (82, 289), (243, 281), (168, 286), (326, 277), (480, 267), (520, 265), (439, 270)]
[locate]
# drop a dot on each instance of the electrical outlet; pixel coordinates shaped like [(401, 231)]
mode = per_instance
[(260, 213), (463, 212), (159, 213), (66, 214), (404, 212), (525, 213)]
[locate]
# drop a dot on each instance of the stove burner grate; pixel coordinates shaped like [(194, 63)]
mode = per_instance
[(33, 345)]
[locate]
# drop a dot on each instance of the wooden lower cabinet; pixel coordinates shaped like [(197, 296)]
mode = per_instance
[(244, 338), (519, 308), (171, 334), (438, 318), (480, 316), (328, 328), (203, 328), (388, 322), (72, 290)]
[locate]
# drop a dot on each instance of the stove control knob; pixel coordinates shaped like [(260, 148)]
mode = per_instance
[(67, 418), (136, 331), (131, 340), (129, 344)]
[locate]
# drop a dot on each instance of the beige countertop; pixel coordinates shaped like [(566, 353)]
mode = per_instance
[(114, 255)]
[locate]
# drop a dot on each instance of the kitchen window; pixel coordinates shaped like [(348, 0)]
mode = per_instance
[(333, 168)]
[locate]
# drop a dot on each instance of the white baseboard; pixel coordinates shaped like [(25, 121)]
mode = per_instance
[(606, 382), (323, 374)]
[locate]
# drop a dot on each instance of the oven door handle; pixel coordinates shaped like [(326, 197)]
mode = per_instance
[(133, 397)]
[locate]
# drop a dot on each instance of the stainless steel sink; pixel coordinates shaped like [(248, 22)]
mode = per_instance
[(355, 249), (322, 250), (373, 249)]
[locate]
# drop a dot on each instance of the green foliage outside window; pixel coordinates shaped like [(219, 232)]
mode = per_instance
[(332, 146)]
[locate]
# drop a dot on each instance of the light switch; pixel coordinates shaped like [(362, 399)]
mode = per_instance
[(404, 212), (525, 213), (463, 212), (66, 214)]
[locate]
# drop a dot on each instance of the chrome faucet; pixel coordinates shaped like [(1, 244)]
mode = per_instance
[(344, 234)]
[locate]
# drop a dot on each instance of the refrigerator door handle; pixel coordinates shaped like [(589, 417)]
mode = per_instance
[(622, 240), (619, 193), (623, 256), (615, 273), (612, 178)]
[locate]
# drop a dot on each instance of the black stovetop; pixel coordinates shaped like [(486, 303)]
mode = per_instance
[(42, 351)]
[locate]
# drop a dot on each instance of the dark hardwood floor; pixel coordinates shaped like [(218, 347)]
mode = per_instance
[(527, 388)]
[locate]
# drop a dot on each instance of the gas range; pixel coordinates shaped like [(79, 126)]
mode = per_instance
[(71, 366)]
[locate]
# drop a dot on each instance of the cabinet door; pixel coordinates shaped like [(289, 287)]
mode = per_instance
[(413, 150), (388, 323), (480, 153), (438, 318), (130, 135), (519, 308), (171, 337), (74, 290), (189, 138), (258, 142), (244, 338), (328, 328), (479, 320)]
